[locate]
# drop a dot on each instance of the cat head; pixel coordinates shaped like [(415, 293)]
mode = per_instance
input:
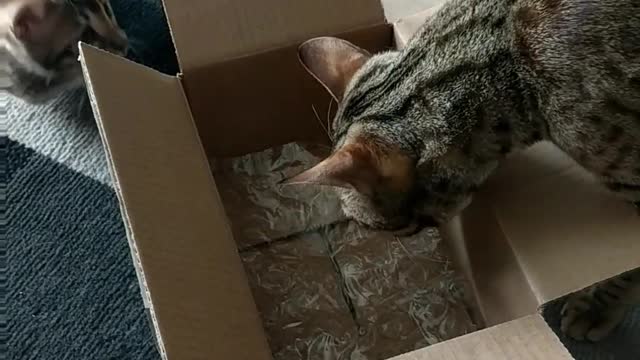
[(374, 172), (375, 152), (38, 43)]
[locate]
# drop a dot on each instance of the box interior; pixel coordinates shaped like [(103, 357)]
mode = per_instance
[(266, 99), (511, 278), (485, 253)]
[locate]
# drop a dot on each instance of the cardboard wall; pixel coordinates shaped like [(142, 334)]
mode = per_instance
[(252, 103)]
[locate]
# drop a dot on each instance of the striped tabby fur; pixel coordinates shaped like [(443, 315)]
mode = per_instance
[(419, 130)]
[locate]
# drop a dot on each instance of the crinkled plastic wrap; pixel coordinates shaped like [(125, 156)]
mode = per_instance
[(327, 288), (403, 291), (259, 209), (298, 292)]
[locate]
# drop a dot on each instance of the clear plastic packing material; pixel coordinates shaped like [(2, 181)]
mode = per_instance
[(298, 294), (259, 208), (330, 289), (404, 290)]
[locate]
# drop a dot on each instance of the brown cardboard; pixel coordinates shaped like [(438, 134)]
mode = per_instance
[(528, 338), (251, 91), (540, 229), (564, 228), (478, 243), (405, 27), (191, 272), (211, 31)]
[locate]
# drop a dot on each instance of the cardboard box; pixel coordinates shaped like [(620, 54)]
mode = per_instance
[(540, 229)]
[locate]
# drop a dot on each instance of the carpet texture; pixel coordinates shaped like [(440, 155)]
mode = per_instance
[(73, 291)]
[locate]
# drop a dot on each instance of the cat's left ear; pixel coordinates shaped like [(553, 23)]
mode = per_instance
[(333, 62), (352, 166)]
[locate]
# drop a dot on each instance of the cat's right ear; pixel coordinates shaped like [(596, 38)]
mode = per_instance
[(333, 62)]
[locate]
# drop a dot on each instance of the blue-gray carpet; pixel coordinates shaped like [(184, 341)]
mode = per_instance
[(73, 291)]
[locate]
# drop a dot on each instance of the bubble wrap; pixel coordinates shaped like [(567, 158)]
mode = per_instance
[(261, 210), (327, 288)]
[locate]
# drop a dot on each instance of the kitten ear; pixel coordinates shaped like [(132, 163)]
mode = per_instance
[(353, 166), (28, 19), (333, 62)]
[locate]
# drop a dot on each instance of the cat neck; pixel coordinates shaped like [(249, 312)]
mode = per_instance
[(484, 118), (478, 103)]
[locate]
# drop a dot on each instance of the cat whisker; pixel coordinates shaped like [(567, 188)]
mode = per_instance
[(326, 130), (329, 119)]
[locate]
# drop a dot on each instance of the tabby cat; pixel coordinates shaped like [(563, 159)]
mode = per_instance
[(38, 43), (417, 131)]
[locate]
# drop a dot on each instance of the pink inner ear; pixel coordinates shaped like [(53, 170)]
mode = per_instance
[(322, 174), (333, 62), (34, 21), (24, 22), (350, 167)]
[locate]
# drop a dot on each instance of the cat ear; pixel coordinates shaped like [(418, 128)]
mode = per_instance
[(28, 19), (333, 62), (352, 166)]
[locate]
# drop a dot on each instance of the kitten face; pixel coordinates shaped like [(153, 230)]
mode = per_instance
[(376, 156), (38, 43)]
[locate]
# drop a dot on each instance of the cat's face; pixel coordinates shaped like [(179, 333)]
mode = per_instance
[(38, 43)]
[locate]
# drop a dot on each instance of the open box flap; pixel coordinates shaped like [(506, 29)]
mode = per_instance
[(188, 265), (529, 338), (565, 229), (406, 27), (210, 31), (540, 229)]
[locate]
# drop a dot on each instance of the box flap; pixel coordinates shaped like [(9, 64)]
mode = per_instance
[(210, 31), (192, 277), (406, 27), (255, 102), (525, 339), (541, 228), (565, 229), (500, 289)]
